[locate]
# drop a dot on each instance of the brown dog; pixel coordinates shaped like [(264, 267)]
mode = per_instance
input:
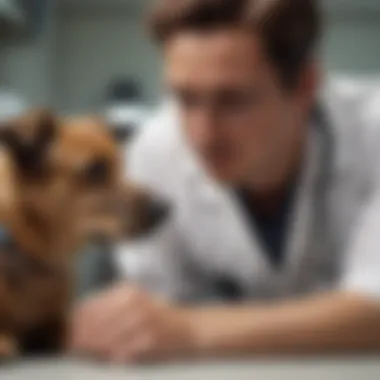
[(61, 183)]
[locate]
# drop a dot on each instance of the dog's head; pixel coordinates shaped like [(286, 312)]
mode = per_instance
[(70, 184)]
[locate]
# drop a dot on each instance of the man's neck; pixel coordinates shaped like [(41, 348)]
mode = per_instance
[(269, 189)]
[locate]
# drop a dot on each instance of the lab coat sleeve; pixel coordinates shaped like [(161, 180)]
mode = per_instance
[(361, 272), (157, 264), (362, 264)]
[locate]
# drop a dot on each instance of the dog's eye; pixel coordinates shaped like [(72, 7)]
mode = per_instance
[(96, 172)]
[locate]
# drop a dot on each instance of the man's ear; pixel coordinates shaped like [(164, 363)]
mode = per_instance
[(29, 138)]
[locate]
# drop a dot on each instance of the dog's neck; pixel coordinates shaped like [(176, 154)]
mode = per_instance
[(39, 224), (47, 221)]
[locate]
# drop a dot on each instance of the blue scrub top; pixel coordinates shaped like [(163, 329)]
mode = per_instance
[(272, 229)]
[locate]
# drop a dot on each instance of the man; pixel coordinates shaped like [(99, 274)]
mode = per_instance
[(275, 192)]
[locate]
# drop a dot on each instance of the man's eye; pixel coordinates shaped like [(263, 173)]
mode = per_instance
[(238, 99)]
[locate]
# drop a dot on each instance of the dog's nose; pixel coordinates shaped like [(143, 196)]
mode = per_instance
[(158, 212)]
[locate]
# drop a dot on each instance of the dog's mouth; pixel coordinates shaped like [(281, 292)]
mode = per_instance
[(129, 219), (141, 221)]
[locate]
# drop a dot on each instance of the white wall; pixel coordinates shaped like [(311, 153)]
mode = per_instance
[(352, 42), (97, 45), (93, 48), (26, 66), (94, 40)]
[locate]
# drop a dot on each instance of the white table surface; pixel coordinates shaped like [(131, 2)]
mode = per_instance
[(317, 369)]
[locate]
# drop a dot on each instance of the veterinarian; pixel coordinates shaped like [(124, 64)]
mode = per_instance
[(273, 246)]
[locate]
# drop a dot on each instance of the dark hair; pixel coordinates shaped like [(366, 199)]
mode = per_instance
[(289, 29)]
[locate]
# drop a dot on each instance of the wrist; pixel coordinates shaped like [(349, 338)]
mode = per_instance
[(217, 330), (189, 332), (201, 331)]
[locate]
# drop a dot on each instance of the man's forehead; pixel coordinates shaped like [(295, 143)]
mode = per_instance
[(228, 48)]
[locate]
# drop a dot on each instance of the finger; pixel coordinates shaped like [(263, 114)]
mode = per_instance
[(141, 341), (83, 319), (121, 330), (124, 332), (125, 308), (142, 346), (91, 306), (115, 320)]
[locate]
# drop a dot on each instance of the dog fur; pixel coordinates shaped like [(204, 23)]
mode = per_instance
[(61, 183)]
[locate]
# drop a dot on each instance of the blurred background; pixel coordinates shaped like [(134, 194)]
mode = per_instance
[(80, 55)]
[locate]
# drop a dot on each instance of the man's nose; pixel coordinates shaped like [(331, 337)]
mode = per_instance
[(204, 124)]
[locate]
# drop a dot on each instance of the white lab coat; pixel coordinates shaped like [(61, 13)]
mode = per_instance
[(333, 239)]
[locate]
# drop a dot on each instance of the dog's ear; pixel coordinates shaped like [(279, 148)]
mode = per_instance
[(121, 134), (29, 138)]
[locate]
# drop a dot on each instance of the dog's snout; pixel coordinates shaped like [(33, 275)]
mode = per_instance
[(158, 212), (141, 213)]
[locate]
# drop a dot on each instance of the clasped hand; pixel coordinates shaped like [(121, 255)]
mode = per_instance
[(128, 325)]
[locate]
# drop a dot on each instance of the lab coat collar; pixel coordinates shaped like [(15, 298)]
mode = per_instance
[(300, 230), (212, 196)]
